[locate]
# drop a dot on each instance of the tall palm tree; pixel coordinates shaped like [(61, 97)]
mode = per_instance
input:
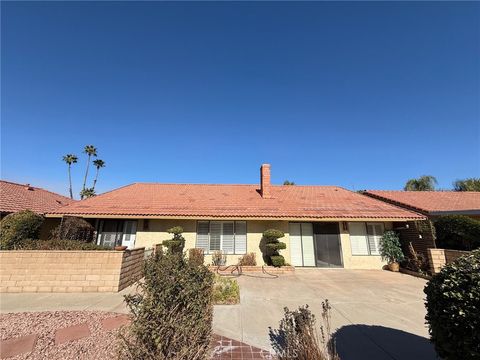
[(90, 150), (423, 183), (98, 164), (70, 159), (470, 184)]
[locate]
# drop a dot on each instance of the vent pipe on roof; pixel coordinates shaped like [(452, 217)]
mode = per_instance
[(28, 187), (265, 181)]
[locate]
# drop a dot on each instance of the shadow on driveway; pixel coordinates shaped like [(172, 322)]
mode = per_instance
[(385, 343)]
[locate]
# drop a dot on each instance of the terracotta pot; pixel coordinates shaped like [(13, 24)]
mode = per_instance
[(394, 266), (121, 248)]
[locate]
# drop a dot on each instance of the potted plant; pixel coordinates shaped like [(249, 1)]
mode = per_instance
[(390, 250)]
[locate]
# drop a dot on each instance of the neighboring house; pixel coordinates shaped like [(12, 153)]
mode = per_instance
[(16, 197), (431, 204), (325, 226)]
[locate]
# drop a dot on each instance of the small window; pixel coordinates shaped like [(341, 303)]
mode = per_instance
[(365, 237), (227, 236)]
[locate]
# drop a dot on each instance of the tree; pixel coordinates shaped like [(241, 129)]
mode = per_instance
[(423, 183), (90, 150), (87, 193), (98, 164), (470, 184), (287, 182), (69, 160), (273, 246)]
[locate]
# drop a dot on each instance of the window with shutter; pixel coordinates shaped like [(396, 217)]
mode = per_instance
[(358, 238), (203, 228), (215, 235), (375, 233), (227, 237), (240, 237)]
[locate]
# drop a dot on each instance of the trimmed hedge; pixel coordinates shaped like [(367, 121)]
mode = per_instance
[(457, 232), (55, 244), (18, 226), (273, 246), (453, 309)]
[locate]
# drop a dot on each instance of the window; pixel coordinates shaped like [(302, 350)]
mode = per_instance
[(365, 237), (228, 236), (117, 232)]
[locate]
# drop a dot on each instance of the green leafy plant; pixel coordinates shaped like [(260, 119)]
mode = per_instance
[(273, 246), (56, 244), (177, 243), (457, 232), (219, 258), (195, 256), (225, 291), (297, 337), (453, 309), (423, 183), (74, 228), (19, 226), (470, 184), (172, 311), (248, 259), (390, 248)]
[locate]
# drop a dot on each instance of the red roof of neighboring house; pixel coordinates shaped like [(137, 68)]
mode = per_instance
[(433, 202), (16, 197), (188, 200)]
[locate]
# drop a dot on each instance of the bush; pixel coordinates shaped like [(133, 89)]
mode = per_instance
[(457, 232), (55, 244), (453, 309), (248, 259), (19, 226), (297, 337), (219, 258), (273, 246), (390, 248), (195, 256), (177, 243), (172, 311), (74, 228), (225, 291)]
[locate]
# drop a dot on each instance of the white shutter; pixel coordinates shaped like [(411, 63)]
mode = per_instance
[(227, 237), (375, 233), (129, 233), (240, 237), (215, 235), (358, 238), (295, 244), (307, 244), (202, 235)]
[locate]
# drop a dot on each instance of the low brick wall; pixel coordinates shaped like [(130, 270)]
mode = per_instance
[(438, 258), (225, 270), (69, 271)]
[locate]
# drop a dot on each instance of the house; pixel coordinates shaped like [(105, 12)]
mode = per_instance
[(432, 204), (17, 197), (324, 226)]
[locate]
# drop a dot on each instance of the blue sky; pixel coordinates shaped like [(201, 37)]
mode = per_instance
[(361, 95)]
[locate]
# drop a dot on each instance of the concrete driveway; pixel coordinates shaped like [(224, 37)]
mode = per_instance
[(375, 314)]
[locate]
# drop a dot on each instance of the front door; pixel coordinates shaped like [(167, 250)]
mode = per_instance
[(328, 251)]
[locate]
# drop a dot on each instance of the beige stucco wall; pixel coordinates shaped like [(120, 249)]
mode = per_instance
[(158, 232)]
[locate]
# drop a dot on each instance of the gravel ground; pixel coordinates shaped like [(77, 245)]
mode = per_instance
[(101, 344)]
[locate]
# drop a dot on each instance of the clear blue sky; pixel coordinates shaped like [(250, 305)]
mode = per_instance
[(361, 95)]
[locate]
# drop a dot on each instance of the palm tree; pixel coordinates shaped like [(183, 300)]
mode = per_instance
[(423, 183), (98, 164), (88, 192), (70, 159), (470, 184), (90, 150)]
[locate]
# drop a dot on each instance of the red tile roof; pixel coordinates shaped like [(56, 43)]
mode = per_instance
[(187, 200), (15, 197), (432, 201)]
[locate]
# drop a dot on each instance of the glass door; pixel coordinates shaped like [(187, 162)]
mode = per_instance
[(328, 250)]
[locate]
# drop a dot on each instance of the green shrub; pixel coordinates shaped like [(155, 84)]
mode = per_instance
[(55, 244), (248, 259), (390, 248), (273, 246), (225, 291), (172, 311), (19, 226), (195, 256), (453, 309), (74, 228), (177, 243), (297, 337), (457, 232)]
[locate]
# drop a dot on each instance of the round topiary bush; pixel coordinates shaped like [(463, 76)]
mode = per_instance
[(273, 246), (19, 226), (453, 309)]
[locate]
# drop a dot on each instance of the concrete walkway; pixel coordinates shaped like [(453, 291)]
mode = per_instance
[(375, 314)]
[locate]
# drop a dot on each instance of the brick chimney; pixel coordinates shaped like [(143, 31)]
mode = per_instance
[(265, 181)]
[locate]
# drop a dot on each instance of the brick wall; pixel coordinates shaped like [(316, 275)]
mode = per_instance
[(438, 258), (420, 234), (69, 271)]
